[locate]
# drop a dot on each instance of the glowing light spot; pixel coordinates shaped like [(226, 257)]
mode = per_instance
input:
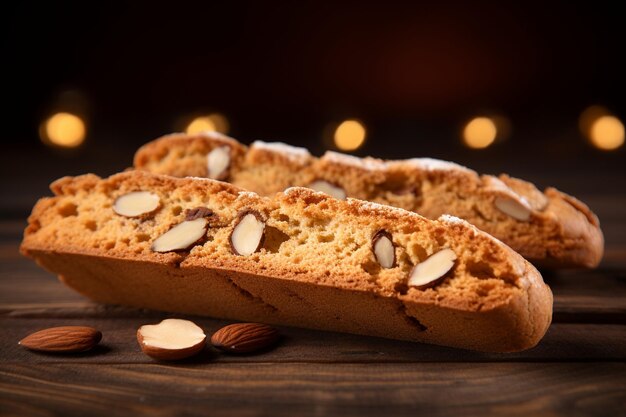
[(480, 133), (200, 124), (350, 135), (63, 129), (220, 122), (607, 133), (213, 122)]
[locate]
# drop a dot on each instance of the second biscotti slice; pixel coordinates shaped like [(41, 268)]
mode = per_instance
[(548, 228), (301, 258)]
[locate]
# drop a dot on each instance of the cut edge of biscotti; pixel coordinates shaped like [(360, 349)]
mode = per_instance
[(428, 266), (550, 228)]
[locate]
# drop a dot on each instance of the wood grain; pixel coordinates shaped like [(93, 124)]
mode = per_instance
[(314, 389)]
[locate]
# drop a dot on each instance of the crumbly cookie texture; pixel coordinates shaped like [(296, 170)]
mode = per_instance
[(300, 258), (550, 228)]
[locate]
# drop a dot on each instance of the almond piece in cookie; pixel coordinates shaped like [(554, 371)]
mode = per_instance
[(332, 190), (247, 235), (384, 249), (136, 204), (516, 208), (428, 273), (218, 162), (181, 236)]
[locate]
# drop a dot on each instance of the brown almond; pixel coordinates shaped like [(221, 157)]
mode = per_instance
[(63, 339), (198, 212), (244, 337)]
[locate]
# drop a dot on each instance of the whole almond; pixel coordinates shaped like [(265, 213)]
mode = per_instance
[(63, 339), (244, 337)]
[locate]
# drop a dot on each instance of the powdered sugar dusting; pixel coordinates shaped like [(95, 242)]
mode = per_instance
[(297, 190), (200, 178), (247, 194), (446, 218), (429, 164), (368, 164), (370, 205), (293, 153), (453, 220), (381, 208)]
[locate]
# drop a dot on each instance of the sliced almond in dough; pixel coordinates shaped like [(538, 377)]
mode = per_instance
[(428, 273), (181, 236), (384, 250), (516, 208), (535, 198), (328, 188), (218, 162), (247, 235), (136, 204)]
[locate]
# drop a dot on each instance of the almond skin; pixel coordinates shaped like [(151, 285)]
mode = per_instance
[(244, 337), (64, 339), (169, 354), (155, 342)]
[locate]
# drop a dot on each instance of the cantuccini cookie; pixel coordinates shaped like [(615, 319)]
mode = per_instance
[(299, 258), (550, 228)]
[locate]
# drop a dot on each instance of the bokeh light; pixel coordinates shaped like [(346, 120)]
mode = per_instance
[(213, 122), (589, 116), (350, 135), (64, 130), (601, 128), (480, 132), (607, 133), (200, 124)]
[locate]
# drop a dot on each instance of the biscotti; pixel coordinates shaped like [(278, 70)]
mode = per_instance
[(300, 258), (550, 228)]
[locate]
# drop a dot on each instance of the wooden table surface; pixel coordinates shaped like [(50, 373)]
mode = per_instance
[(578, 369)]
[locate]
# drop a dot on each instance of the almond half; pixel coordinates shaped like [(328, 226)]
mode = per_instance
[(218, 162), (248, 232), (518, 209), (332, 190), (64, 339), (181, 236), (171, 339), (428, 273), (384, 249), (136, 204), (244, 337)]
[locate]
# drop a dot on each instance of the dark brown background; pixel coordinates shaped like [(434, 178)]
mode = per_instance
[(414, 73)]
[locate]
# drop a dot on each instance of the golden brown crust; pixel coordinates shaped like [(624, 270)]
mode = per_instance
[(559, 231), (192, 149), (317, 271)]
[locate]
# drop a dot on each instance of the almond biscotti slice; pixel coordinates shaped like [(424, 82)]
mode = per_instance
[(549, 228), (301, 258)]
